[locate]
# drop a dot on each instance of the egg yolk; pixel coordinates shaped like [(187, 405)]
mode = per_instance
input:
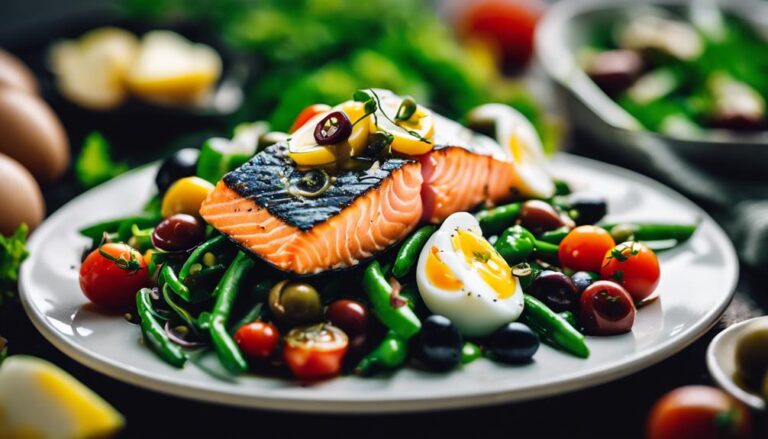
[(517, 149), (485, 261), (439, 274)]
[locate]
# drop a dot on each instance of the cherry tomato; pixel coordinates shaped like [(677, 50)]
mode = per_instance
[(584, 248), (307, 114), (257, 339), (698, 412), (634, 266), (508, 25), (315, 352), (112, 274), (606, 308)]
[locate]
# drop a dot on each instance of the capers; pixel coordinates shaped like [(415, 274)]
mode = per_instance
[(295, 303), (406, 110), (379, 144), (312, 183)]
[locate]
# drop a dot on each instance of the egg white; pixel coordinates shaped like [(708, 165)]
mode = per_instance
[(475, 309), (534, 178)]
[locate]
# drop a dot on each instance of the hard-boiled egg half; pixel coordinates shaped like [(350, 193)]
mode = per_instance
[(461, 276), (516, 134), (39, 400)]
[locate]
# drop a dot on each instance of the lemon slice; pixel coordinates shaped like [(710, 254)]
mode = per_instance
[(303, 148), (37, 399), (421, 123), (358, 140)]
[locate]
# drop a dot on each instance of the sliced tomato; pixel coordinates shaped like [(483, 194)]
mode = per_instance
[(315, 352)]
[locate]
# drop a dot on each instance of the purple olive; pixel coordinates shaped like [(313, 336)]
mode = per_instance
[(333, 128), (615, 70), (583, 279), (538, 216), (178, 232), (556, 290)]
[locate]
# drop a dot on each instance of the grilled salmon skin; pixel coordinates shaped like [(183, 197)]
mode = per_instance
[(360, 214)]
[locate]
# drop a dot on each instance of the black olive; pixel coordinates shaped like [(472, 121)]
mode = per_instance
[(582, 279), (539, 216), (183, 163), (178, 232), (514, 343), (587, 208), (333, 128), (441, 343), (556, 290)]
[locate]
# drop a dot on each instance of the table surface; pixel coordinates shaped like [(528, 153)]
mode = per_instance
[(616, 409)]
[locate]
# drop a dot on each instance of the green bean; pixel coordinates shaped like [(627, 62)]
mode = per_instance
[(494, 221), (546, 249), (554, 236), (650, 232), (401, 319), (251, 315), (570, 318), (553, 328), (169, 277), (409, 252), (470, 352), (226, 293), (389, 354), (180, 311), (154, 334), (198, 253), (96, 231)]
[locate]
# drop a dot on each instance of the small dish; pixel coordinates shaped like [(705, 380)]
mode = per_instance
[(566, 28), (721, 362)]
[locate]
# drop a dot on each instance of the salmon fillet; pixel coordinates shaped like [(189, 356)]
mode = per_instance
[(361, 214), (456, 179)]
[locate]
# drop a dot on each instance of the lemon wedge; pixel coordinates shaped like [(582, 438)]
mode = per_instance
[(358, 140), (421, 126), (39, 400), (303, 148), (170, 68)]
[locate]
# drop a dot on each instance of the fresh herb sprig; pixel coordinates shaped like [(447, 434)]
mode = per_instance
[(373, 102)]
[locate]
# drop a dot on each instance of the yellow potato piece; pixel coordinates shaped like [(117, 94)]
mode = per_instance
[(185, 196), (37, 399), (303, 148), (169, 68), (358, 140)]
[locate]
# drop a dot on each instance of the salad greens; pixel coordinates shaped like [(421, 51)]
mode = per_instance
[(313, 51), (94, 165), (13, 251)]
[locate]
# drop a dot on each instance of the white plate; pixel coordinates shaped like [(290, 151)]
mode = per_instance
[(721, 361), (696, 285)]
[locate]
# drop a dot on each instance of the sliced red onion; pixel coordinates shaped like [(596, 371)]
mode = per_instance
[(176, 338)]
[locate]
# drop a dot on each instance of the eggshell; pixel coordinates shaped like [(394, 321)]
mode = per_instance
[(32, 134), (20, 197), (14, 74)]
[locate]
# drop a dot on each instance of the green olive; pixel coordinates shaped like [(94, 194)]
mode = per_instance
[(752, 354), (295, 302)]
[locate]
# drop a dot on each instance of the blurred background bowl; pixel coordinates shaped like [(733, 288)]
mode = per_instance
[(566, 28)]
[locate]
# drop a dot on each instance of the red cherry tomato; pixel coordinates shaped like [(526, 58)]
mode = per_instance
[(257, 339), (315, 352), (112, 274), (307, 114), (606, 308), (634, 266), (507, 24), (584, 248), (698, 412)]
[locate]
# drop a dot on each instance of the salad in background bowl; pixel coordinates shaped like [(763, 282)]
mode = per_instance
[(696, 90)]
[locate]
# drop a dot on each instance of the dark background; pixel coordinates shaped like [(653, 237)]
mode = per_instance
[(614, 410)]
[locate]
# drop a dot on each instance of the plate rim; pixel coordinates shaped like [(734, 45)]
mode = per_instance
[(203, 392)]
